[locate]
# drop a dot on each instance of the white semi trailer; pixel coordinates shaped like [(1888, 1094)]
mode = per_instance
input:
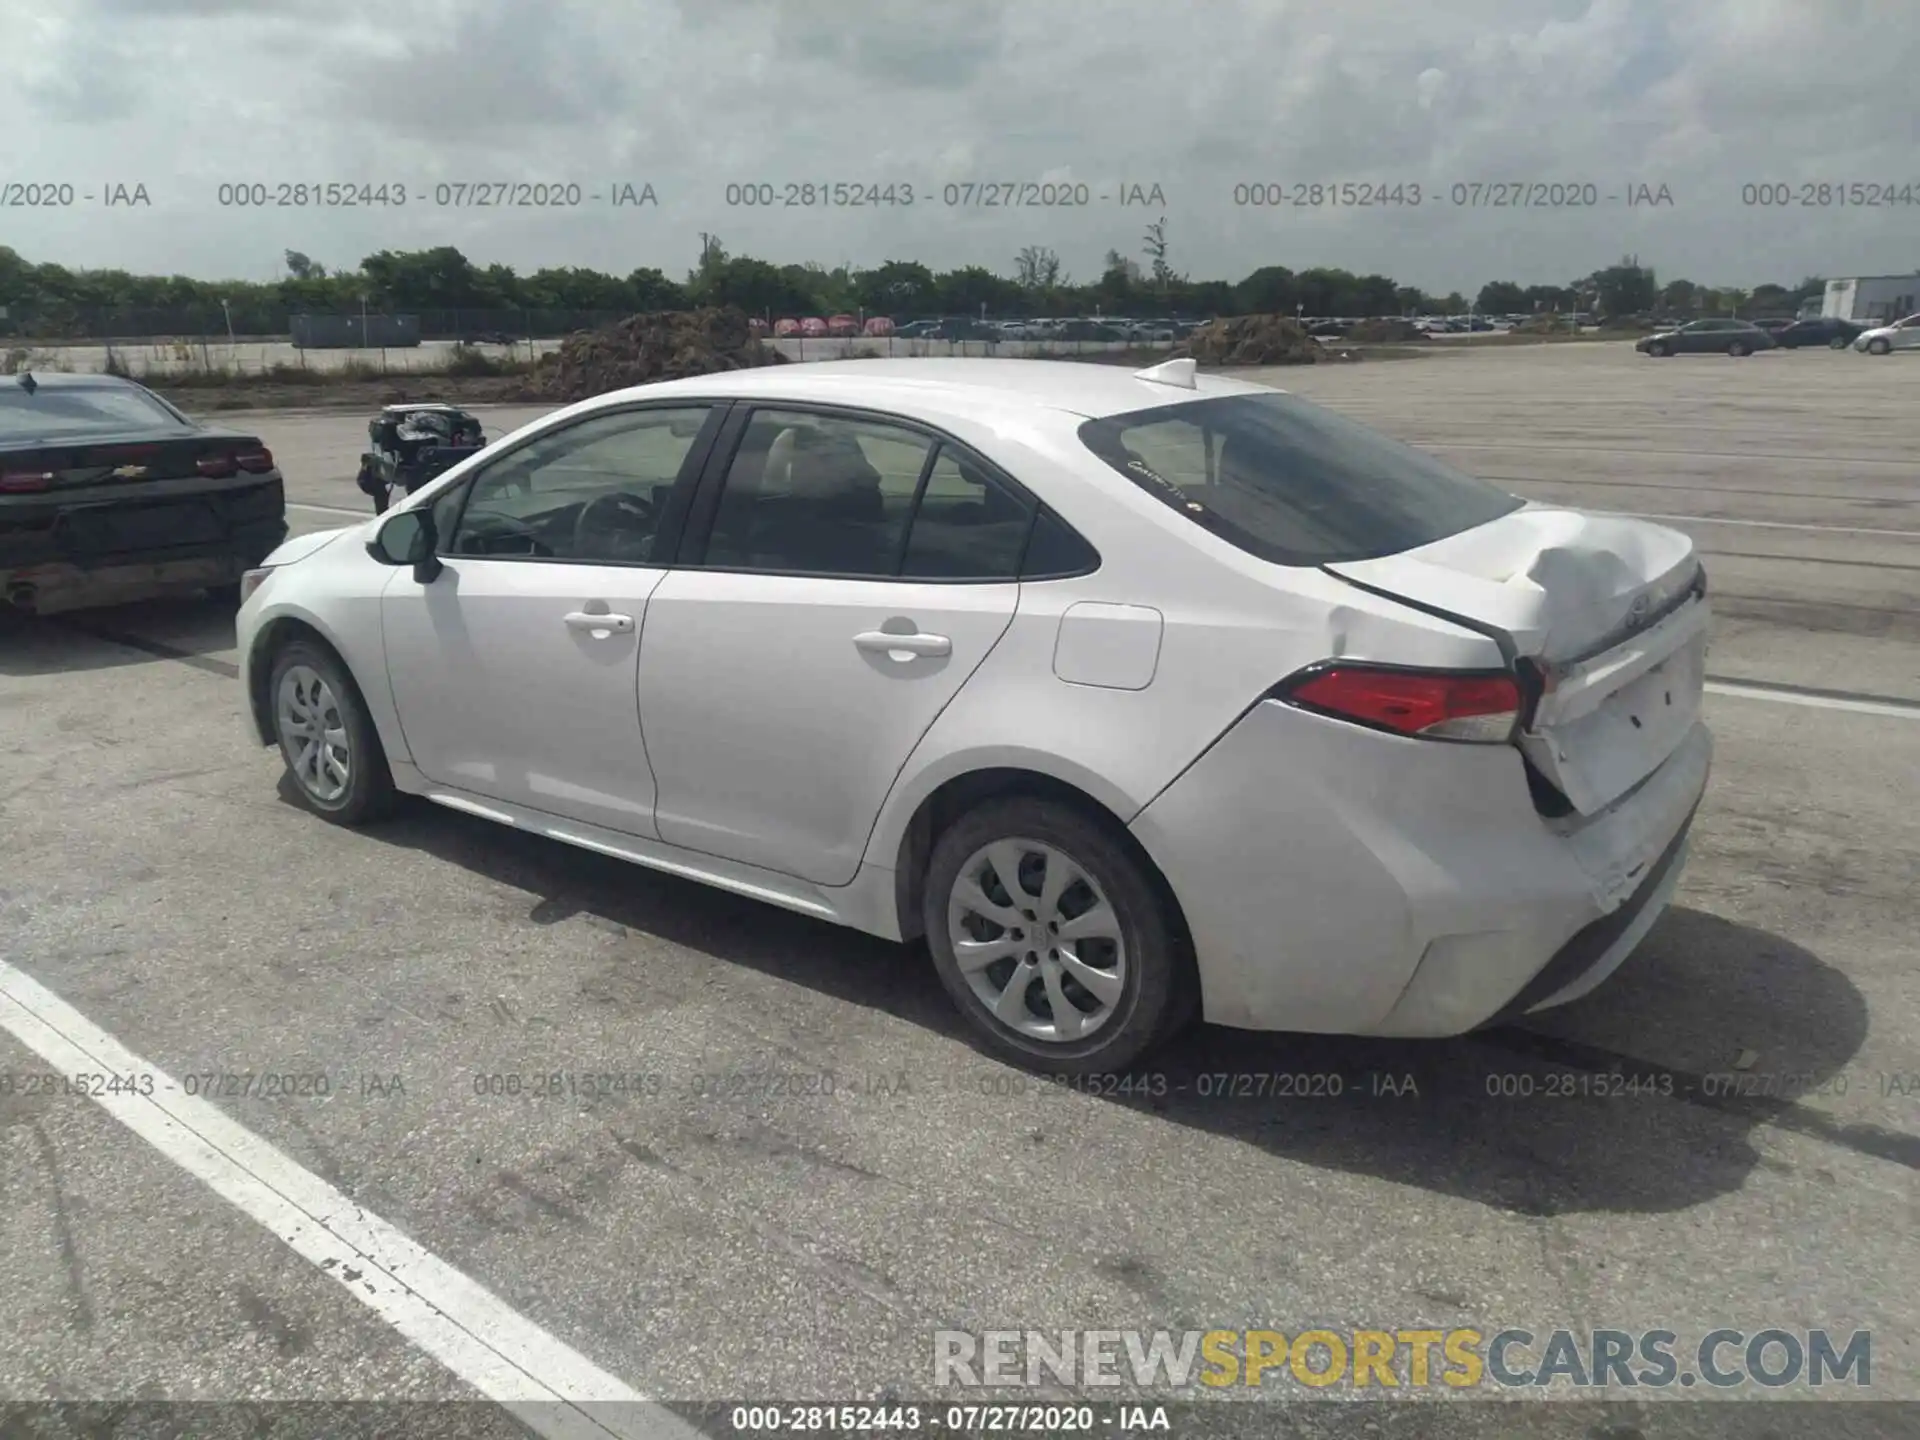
[(1872, 298)]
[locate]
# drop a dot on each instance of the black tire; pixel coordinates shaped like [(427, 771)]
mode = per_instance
[(1878, 347), (1656, 349), (369, 793), (1160, 992), (1839, 342), (1739, 348)]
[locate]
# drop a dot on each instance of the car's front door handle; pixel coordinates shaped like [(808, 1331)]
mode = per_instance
[(610, 624), (902, 647)]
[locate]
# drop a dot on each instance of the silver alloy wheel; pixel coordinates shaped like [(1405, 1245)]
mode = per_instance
[(314, 733), (1036, 940)]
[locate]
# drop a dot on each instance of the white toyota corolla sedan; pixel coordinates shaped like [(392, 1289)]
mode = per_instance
[(1139, 696)]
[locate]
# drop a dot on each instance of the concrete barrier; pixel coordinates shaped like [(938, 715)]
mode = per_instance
[(253, 358)]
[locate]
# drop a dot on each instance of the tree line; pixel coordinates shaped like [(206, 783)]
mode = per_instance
[(49, 299)]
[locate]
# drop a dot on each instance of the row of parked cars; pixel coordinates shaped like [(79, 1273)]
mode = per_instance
[(1667, 337), (955, 327), (1747, 337), (1476, 324)]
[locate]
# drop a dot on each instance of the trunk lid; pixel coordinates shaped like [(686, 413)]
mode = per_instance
[(63, 465), (1608, 612)]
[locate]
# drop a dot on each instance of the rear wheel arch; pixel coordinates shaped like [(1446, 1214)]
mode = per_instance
[(962, 793)]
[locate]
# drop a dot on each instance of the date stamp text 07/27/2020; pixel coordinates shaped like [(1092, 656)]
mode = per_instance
[(1886, 195)]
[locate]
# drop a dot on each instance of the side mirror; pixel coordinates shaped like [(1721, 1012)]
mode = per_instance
[(409, 538)]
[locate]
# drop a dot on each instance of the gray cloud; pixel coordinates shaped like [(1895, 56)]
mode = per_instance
[(696, 95)]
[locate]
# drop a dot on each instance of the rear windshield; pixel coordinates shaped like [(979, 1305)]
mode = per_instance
[(66, 412), (1290, 482)]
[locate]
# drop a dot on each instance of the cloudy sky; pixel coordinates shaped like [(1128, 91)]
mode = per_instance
[(1197, 97)]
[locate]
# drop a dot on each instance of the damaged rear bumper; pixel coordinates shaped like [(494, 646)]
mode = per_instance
[(1338, 880), (64, 556), (54, 589)]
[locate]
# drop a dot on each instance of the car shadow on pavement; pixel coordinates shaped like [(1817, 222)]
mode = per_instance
[(191, 629), (1642, 1097)]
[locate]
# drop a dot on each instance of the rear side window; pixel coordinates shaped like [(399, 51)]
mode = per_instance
[(64, 412), (966, 526), (1056, 550), (1290, 482), (818, 495)]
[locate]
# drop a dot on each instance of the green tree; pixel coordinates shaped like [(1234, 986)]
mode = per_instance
[(1326, 291), (1208, 298), (1118, 286), (899, 288), (1037, 268), (1624, 289), (756, 286), (967, 290), (1270, 290), (437, 279), (649, 289), (1155, 249), (1680, 296), (1374, 295), (1500, 297)]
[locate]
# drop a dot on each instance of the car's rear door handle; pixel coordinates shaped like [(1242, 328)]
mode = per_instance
[(903, 647), (612, 624)]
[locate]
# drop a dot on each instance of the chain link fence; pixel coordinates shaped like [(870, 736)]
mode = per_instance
[(57, 324)]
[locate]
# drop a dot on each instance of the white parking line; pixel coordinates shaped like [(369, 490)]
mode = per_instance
[(550, 1388), (329, 509), (1818, 702)]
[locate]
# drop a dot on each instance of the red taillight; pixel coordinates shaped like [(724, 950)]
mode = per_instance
[(19, 482), (256, 461), (1434, 704)]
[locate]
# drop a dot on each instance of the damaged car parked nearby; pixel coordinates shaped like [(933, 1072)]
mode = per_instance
[(1139, 696), (109, 494)]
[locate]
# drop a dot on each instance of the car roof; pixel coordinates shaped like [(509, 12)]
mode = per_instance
[(938, 385)]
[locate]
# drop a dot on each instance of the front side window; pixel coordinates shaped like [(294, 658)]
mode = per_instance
[(818, 495), (1290, 482), (594, 491)]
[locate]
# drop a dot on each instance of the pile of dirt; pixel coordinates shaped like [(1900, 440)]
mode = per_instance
[(662, 345), (1386, 330), (1254, 340)]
